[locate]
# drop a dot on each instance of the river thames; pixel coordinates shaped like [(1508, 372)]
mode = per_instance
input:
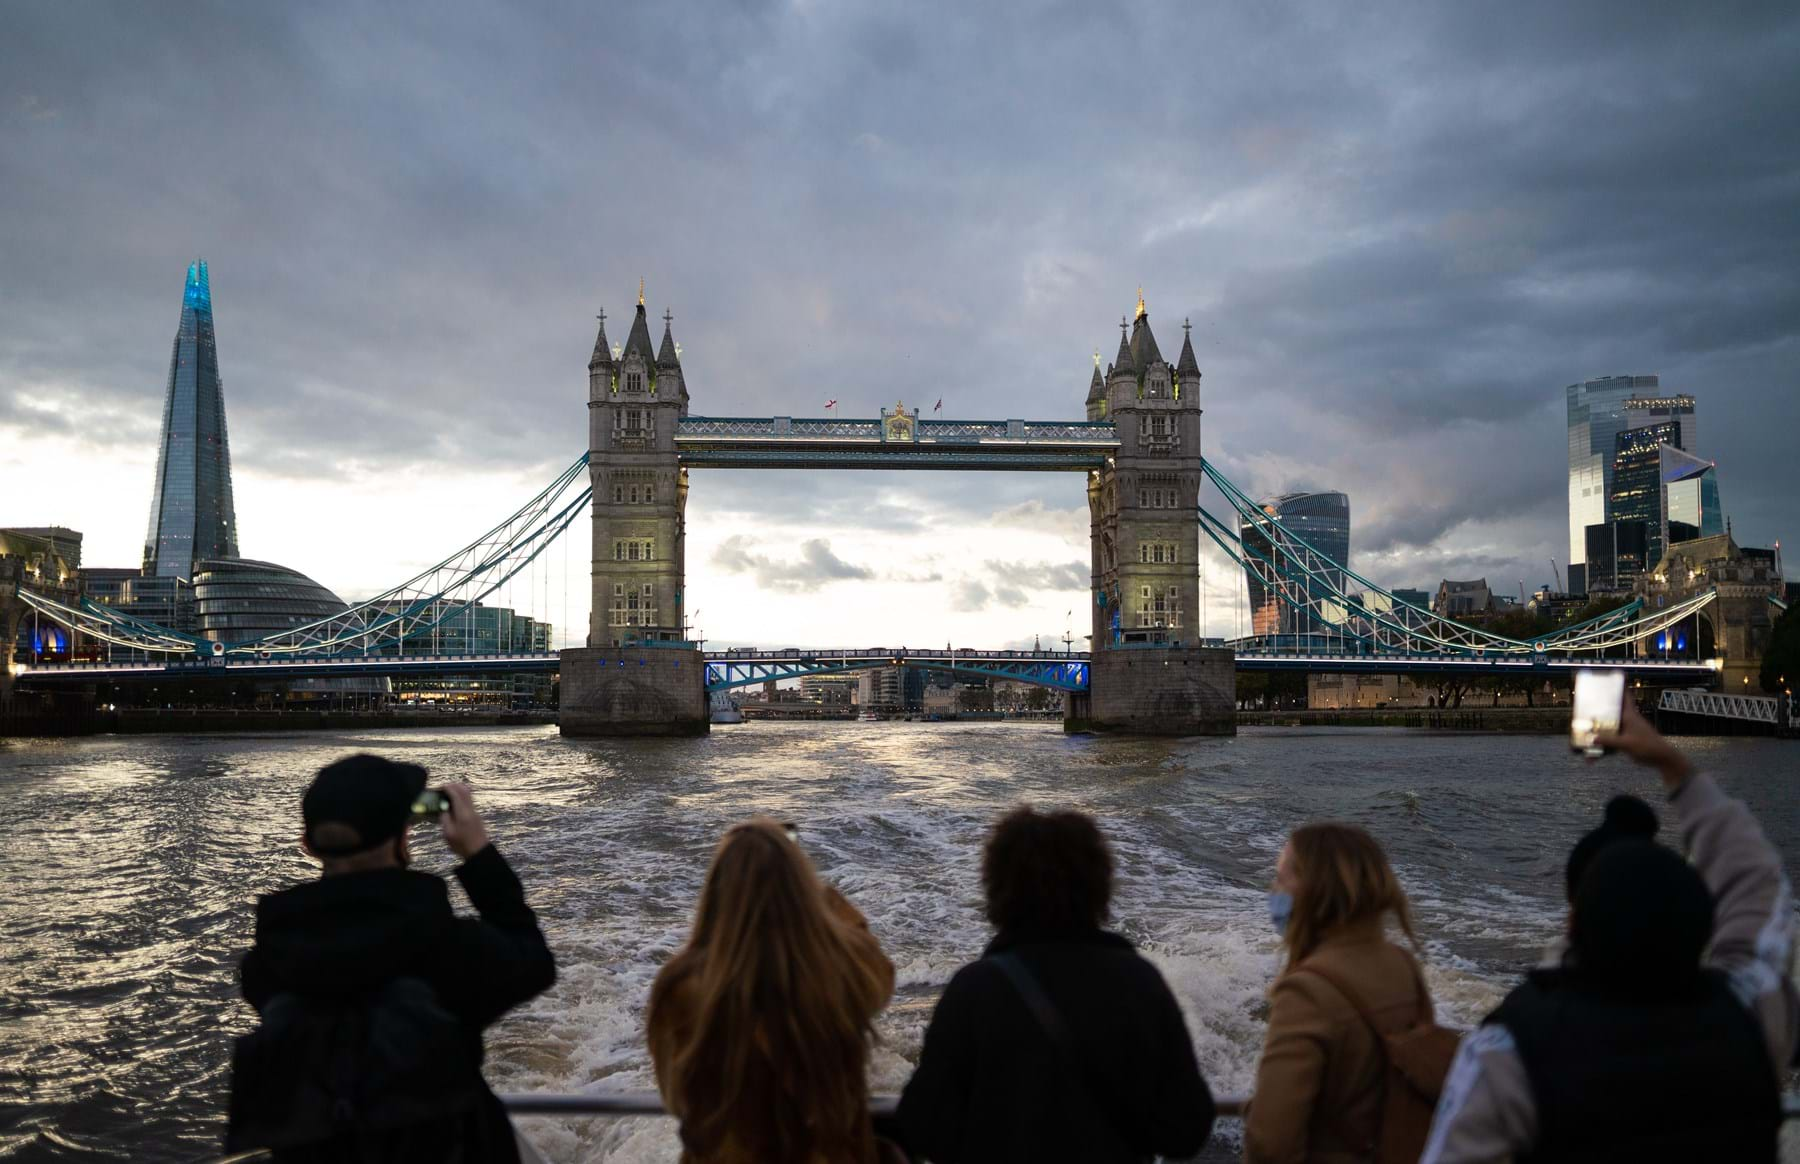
[(129, 868)]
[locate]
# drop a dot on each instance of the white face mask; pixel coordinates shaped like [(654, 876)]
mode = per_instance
[(1281, 910)]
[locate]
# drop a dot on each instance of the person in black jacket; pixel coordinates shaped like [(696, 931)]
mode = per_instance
[(1060, 1042), (373, 993)]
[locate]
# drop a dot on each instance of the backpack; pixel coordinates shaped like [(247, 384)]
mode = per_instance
[(385, 1076), (1418, 1060)]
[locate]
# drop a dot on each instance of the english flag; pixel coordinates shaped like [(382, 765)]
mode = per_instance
[(939, 406)]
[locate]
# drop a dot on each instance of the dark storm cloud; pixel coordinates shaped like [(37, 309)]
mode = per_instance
[(815, 567), (1398, 231)]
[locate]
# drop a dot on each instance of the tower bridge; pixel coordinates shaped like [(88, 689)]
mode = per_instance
[(1137, 448)]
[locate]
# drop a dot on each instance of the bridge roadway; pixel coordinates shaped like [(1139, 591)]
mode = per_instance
[(744, 666)]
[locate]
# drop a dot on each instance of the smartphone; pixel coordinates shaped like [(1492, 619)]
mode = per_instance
[(1599, 703), (431, 804)]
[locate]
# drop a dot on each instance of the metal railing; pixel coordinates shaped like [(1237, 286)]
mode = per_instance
[(649, 1103), (632, 1103)]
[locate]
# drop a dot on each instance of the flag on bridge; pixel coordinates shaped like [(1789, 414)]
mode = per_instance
[(939, 406)]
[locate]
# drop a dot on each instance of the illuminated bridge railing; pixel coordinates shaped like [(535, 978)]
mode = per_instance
[(745, 667)]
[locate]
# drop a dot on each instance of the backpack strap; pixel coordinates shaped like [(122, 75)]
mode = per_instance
[(1421, 995), (1050, 1021)]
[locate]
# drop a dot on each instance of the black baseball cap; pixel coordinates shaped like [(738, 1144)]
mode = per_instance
[(370, 795)]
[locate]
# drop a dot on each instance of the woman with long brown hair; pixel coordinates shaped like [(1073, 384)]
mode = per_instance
[(759, 1027), (1323, 1076)]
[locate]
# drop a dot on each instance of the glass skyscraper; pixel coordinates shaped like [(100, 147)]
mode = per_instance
[(191, 512), (1597, 415), (1322, 520)]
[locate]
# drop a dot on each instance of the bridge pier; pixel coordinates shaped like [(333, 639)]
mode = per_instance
[(633, 691), (1158, 691)]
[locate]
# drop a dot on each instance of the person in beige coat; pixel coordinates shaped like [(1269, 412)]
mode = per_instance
[(1319, 1085)]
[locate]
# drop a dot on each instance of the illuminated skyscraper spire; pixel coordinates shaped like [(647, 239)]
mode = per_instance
[(191, 512)]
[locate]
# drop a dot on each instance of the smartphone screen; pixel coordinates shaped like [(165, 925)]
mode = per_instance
[(1599, 701), (431, 803)]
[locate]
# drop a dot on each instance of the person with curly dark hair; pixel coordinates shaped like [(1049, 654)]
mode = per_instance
[(1061, 1042)]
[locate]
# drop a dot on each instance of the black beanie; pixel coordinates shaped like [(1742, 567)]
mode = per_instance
[(1642, 920), (1627, 818)]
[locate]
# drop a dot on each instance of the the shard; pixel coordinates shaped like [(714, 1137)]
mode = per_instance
[(191, 513)]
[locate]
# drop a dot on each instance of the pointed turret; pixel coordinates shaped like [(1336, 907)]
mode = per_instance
[(637, 342), (667, 356), (602, 357), (1143, 344), (1123, 363), (1187, 369)]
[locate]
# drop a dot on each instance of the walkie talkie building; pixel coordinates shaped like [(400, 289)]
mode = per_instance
[(191, 513)]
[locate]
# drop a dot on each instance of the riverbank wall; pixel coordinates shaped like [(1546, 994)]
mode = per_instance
[(71, 721), (1539, 721)]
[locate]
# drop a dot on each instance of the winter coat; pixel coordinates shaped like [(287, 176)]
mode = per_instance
[(991, 1084), (350, 935), (1322, 1076), (1490, 1108), (670, 1028)]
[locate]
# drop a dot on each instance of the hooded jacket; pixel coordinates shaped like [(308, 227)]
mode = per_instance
[(348, 936), (1489, 1110), (992, 1086)]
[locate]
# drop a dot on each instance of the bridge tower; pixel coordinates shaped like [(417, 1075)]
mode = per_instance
[(1151, 673), (637, 675)]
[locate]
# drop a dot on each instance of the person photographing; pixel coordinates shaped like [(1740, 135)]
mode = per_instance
[(373, 993), (1663, 1033)]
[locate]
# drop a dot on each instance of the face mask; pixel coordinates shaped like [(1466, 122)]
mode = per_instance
[(1281, 910)]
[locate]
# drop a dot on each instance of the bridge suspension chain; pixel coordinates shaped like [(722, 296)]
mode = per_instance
[(1312, 583), (378, 625)]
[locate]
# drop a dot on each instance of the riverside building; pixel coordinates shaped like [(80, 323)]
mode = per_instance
[(192, 517), (1322, 520)]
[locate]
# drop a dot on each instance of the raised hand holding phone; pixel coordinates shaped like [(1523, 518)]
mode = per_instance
[(1639, 739), (464, 830), (1598, 705)]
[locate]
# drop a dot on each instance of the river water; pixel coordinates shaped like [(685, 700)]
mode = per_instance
[(129, 868)]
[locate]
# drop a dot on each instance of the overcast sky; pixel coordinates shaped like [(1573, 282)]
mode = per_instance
[(1399, 231)]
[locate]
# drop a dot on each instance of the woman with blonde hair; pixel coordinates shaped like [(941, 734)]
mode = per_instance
[(760, 1026), (1343, 994)]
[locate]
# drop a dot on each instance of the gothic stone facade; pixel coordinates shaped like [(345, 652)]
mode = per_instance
[(1142, 508), (635, 397)]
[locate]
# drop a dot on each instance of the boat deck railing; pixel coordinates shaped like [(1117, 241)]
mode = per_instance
[(649, 1103)]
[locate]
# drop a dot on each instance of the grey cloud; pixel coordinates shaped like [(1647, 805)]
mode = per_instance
[(816, 566), (1389, 226), (969, 594), (1041, 575)]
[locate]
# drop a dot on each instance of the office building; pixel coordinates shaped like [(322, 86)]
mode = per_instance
[(1464, 599), (1637, 491), (1674, 410), (191, 513), (237, 599), (1281, 604), (1597, 414), (1690, 500), (1618, 553)]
